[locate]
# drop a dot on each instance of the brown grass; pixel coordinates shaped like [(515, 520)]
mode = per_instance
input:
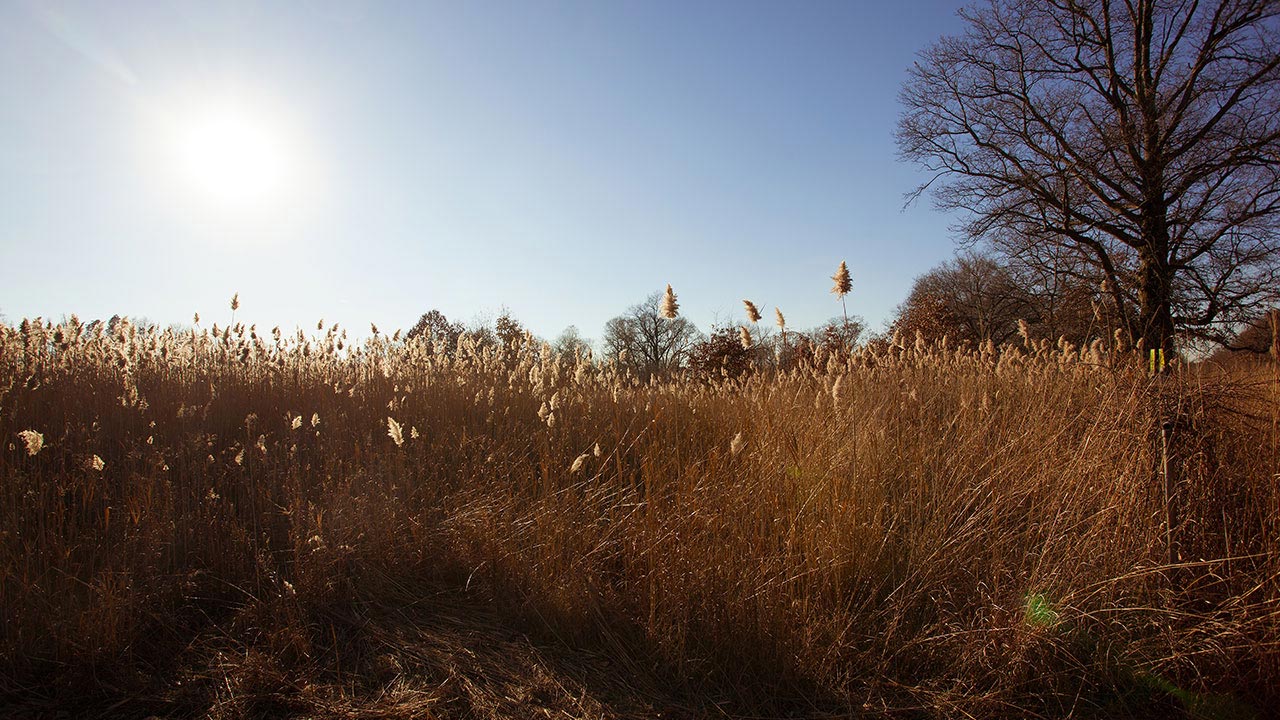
[(918, 531)]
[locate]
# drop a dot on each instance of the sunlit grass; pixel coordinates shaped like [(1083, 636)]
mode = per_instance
[(962, 531)]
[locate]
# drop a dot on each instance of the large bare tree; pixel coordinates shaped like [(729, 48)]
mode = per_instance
[(1139, 137), (646, 341)]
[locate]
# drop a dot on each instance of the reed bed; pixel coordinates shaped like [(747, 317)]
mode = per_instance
[(908, 529)]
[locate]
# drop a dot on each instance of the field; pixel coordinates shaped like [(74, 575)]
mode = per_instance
[(216, 522)]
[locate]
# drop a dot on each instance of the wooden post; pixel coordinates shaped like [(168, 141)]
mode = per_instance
[(1168, 491)]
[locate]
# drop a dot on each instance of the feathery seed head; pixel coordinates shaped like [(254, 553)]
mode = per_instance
[(744, 336), (736, 444), (235, 302), (782, 321), (33, 440), (394, 431), (670, 308), (843, 283), (753, 313)]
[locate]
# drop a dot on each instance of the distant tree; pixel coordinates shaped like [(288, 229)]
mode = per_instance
[(432, 327), (571, 344), (642, 339), (839, 334), (970, 299), (1258, 336), (509, 330), (926, 314), (720, 355), (143, 323), (511, 334), (838, 337), (482, 336), (978, 297), (1138, 138), (1067, 299)]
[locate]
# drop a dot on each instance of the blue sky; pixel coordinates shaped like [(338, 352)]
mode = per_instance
[(560, 159)]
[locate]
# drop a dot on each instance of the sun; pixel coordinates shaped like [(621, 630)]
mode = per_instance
[(232, 156)]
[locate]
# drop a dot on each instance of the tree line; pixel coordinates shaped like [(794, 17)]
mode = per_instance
[(644, 341)]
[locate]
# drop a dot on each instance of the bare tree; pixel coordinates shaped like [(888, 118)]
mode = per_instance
[(1069, 296), (977, 297), (1140, 138), (973, 298), (571, 344), (647, 341)]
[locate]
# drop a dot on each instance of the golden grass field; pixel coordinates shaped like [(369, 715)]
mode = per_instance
[(237, 525)]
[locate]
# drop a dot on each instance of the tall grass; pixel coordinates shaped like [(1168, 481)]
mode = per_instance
[(929, 530)]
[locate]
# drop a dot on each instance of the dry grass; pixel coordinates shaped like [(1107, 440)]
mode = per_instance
[(221, 523)]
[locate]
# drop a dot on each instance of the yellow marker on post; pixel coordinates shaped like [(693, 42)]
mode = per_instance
[(1156, 356)]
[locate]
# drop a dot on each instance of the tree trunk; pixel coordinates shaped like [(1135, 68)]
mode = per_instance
[(1155, 299), (1155, 274)]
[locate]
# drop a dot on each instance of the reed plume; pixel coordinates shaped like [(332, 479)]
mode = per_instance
[(843, 283), (670, 308), (33, 440), (736, 444)]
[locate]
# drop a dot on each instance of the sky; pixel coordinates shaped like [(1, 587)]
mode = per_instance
[(366, 162)]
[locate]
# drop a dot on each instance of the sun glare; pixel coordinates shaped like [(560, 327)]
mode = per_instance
[(231, 156)]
